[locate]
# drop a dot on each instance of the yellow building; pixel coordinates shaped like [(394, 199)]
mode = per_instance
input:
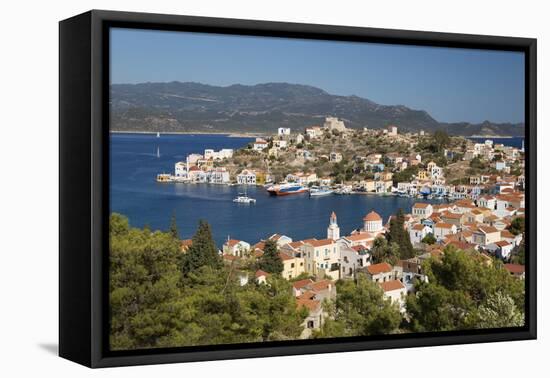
[(423, 175), (292, 266)]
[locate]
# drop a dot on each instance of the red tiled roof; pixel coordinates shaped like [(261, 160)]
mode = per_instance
[(392, 285), (302, 283), (515, 268), (232, 242), (260, 273), (285, 257), (320, 243), (421, 205), (310, 304), (379, 268), (321, 285), (443, 225)]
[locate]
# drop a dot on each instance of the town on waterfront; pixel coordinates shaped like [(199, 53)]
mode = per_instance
[(308, 227)]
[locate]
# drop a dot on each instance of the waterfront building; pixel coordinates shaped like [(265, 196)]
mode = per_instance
[(333, 231), (217, 176), (372, 222), (181, 170), (281, 240), (246, 177), (194, 158)]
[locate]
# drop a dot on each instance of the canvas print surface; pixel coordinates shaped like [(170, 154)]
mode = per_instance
[(266, 189)]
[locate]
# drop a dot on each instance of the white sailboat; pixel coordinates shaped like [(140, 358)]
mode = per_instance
[(158, 134)]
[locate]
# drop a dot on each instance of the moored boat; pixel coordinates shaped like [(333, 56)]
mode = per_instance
[(286, 189), (320, 191)]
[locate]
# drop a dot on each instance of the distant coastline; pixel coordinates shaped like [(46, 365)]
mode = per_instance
[(229, 134), (496, 136)]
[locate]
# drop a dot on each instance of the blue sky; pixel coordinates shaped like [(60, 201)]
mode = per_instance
[(451, 84)]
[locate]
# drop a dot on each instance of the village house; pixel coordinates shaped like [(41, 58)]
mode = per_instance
[(412, 271), (235, 247), (313, 132), (246, 177), (396, 292), (442, 229), (381, 272), (321, 257), (259, 145), (261, 276), (292, 266), (453, 218), (352, 259), (422, 210), (418, 232), (281, 240), (280, 144), (501, 249), (485, 235)]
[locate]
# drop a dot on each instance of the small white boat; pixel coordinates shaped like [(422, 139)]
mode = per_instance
[(322, 191), (158, 134), (244, 199)]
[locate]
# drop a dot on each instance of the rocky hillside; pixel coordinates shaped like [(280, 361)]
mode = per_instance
[(177, 106)]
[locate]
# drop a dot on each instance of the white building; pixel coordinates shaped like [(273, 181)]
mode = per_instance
[(181, 170), (225, 153), (396, 292), (392, 130), (246, 177), (333, 231), (417, 232), (422, 210), (259, 145), (217, 176), (283, 131), (441, 230)]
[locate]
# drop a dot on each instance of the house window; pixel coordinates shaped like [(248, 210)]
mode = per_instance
[(292, 265), (310, 324)]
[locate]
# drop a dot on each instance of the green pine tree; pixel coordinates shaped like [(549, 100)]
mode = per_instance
[(270, 261), (174, 227), (203, 251), (400, 236)]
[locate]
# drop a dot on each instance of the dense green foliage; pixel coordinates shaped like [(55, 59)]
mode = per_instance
[(517, 226), (360, 309), (270, 261), (399, 235), (429, 239), (153, 304), (382, 251), (460, 291)]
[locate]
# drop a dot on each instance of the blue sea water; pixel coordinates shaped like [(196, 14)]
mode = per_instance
[(512, 142), (136, 194)]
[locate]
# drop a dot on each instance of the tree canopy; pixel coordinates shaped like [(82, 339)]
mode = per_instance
[(360, 310), (461, 284), (153, 304), (203, 251)]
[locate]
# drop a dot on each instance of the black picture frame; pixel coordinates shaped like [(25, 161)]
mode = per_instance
[(84, 186)]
